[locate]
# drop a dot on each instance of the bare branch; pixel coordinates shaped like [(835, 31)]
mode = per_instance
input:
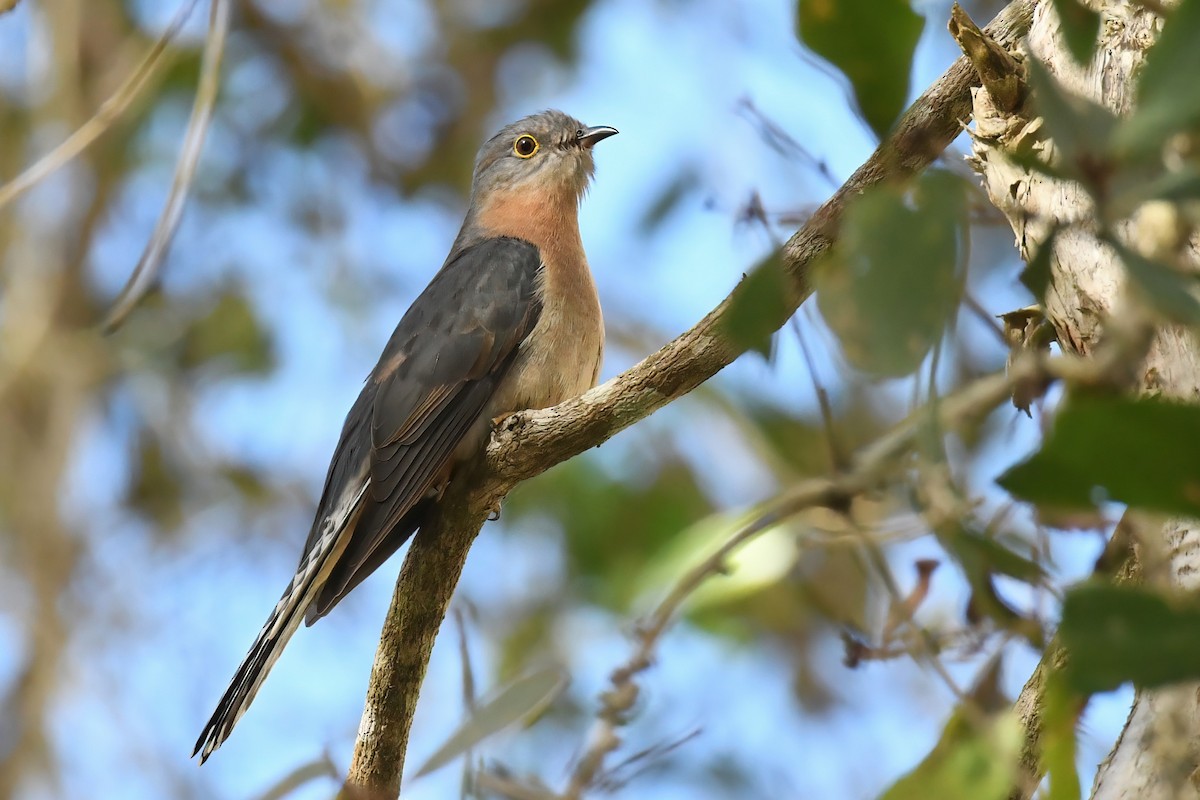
[(964, 407), (528, 443), (1002, 76), (145, 274), (108, 113)]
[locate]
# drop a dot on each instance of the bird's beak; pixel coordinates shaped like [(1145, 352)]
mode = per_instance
[(589, 136)]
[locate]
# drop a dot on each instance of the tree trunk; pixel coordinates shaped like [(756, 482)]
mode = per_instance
[(1158, 750)]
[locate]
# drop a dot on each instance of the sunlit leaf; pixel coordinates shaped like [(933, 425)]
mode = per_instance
[(1117, 634), (762, 561), (523, 698), (1128, 448), (872, 43), (611, 527), (894, 279), (1060, 719), (975, 758)]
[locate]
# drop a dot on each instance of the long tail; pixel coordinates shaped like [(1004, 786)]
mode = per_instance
[(283, 622)]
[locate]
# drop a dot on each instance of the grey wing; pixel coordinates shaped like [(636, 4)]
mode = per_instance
[(433, 383), (441, 366)]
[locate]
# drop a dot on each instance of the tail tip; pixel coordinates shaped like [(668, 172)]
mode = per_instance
[(206, 745)]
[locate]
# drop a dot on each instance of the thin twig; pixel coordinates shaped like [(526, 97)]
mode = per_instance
[(145, 274), (109, 111), (468, 696), (967, 405), (989, 321)]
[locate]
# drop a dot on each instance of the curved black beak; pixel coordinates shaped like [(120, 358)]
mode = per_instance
[(589, 136)]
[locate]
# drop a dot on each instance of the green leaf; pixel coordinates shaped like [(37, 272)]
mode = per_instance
[(1176, 185), (611, 528), (1116, 634), (894, 279), (1060, 719), (523, 698), (975, 759), (157, 485), (1036, 277), (229, 333), (1169, 291), (1168, 92), (1134, 186), (982, 556), (680, 186), (763, 561), (1133, 449), (1081, 129), (1080, 27), (872, 43), (758, 307)]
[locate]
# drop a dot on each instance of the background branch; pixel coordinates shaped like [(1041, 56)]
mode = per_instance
[(965, 407), (528, 443)]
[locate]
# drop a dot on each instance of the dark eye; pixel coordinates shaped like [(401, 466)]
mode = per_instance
[(525, 145)]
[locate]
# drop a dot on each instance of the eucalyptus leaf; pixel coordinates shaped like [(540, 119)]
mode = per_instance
[(1168, 92), (872, 43), (1172, 293), (1116, 448), (523, 698), (1119, 634), (895, 280), (1082, 130), (1080, 27)]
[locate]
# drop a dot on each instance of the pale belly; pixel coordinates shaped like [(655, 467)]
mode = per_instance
[(559, 360)]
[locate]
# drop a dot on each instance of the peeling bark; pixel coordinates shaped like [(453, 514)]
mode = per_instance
[(1159, 748)]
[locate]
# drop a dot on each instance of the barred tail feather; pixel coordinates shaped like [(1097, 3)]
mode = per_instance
[(284, 620)]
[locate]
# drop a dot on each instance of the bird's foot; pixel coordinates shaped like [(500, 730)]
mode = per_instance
[(494, 511)]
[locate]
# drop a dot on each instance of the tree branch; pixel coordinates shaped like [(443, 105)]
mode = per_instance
[(528, 443), (875, 462), (1118, 563)]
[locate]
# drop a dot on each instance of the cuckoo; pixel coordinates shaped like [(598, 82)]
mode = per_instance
[(511, 321)]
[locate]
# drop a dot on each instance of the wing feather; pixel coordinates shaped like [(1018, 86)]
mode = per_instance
[(433, 382), (442, 366)]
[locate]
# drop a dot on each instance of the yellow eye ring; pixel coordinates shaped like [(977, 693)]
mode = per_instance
[(525, 146)]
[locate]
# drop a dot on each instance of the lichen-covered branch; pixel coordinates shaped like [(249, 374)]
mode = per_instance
[(531, 442)]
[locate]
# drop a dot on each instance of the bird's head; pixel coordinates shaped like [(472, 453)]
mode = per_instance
[(548, 153)]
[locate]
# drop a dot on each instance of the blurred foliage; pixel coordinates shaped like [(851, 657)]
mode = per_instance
[(1080, 26), (759, 302), (1120, 633), (611, 529), (872, 42), (1104, 449), (894, 280)]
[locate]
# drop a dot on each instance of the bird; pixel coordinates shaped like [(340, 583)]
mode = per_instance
[(511, 321)]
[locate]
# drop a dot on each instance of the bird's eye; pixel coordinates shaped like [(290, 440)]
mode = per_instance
[(525, 145)]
